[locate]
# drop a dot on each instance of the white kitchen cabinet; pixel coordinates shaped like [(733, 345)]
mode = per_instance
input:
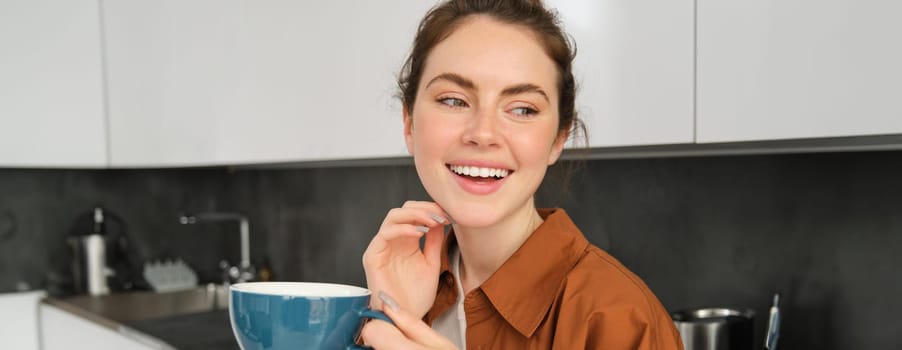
[(634, 69), (206, 82), (787, 69), (19, 320), (51, 84), (61, 330)]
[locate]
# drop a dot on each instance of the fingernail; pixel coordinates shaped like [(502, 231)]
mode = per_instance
[(423, 229), (387, 300), (437, 218)]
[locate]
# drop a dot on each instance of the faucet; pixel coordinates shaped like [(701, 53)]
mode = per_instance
[(244, 271)]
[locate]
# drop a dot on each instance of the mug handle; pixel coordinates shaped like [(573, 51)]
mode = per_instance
[(371, 314)]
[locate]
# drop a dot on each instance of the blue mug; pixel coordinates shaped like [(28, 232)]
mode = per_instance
[(299, 315)]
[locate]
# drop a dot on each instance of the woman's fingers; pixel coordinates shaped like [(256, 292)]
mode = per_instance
[(424, 215), (408, 331), (409, 222), (383, 241), (412, 327), (394, 260), (392, 232), (423, 204), (382, 335), (434, 206), (439, 214)]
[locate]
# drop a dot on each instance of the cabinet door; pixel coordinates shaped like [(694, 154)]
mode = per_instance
[(634, 69), (782, 69), (232, 82), (62, 330), (51, 84), (19, 320)]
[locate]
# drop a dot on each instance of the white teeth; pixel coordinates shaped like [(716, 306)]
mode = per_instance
[(479, 172)]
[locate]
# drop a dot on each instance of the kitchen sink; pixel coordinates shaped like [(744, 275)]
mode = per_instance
[(137, 306), (192, 319)]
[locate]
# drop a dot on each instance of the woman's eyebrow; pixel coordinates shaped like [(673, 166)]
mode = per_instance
[(508, 91), (454, 78), (524, 88)]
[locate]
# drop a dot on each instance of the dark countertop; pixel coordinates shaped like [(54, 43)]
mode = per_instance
[(198, 331), (196, 319)]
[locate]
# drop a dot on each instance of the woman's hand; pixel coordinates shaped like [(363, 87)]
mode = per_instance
[(394, 263), (409, 332)]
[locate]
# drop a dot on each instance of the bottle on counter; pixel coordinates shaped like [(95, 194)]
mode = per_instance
[(89, 263), (264, 274)]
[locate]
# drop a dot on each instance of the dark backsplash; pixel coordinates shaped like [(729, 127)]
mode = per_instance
[(823, 229)]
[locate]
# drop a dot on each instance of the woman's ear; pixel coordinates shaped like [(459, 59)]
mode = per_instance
[(408, 129), (558, 146)]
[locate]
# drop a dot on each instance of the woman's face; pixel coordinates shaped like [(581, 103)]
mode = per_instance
[(484, 125)]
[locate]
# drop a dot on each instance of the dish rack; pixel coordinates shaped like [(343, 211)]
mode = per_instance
[(169, 275)]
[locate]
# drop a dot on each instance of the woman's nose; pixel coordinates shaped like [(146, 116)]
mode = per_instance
[(482, 129)]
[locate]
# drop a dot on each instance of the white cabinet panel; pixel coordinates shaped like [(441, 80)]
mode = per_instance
[(778, 69), (229, 82), (19, 320), (51, 84), (634, 69), (61, 330)]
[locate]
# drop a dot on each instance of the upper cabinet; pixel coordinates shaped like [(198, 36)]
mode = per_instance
[(159, 83), (206, 82), (51, 84), (634, 69), (777, 69)]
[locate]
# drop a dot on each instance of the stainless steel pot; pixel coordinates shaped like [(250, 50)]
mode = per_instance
[(89, 266), (715, 328)]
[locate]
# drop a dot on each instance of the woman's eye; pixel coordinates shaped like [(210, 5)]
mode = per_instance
[(524, 111), (452, 102)]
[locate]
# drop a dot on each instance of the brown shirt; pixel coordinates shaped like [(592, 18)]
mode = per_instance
[(559, 292)]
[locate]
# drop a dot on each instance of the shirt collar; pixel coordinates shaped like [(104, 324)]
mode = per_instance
[(524, 287)]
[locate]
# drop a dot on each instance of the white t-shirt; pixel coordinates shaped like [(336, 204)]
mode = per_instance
[(453, 323)]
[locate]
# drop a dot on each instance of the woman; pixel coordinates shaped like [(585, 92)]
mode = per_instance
[(488, 99)]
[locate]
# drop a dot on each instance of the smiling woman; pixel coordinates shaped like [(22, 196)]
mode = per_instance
[(488, 99), (494, 123)]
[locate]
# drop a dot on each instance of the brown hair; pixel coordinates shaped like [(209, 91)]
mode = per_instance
[(443, 19)]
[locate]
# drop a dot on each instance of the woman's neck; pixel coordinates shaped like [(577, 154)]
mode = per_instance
[(483, 250)]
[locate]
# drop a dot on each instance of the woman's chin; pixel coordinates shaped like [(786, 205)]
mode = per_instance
[(475, 216)]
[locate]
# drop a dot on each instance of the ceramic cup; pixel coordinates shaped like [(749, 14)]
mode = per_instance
[(298, 315)]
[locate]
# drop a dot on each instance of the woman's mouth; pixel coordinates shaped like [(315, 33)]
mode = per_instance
[(479, 180), (479, 172)]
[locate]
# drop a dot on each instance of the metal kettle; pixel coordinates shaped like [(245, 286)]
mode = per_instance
[(89, 263), (101, 260)]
